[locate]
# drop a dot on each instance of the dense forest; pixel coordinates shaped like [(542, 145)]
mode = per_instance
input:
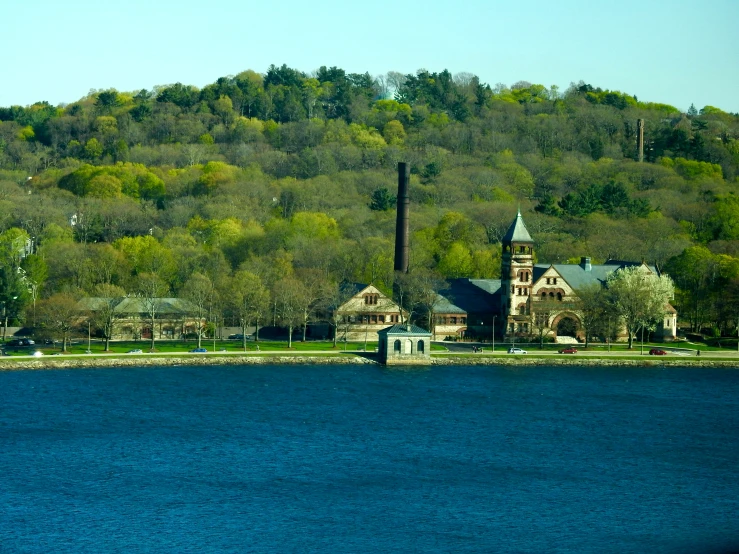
[(262, 178)]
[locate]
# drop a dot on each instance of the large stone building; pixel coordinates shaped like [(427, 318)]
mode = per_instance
[(534, 300), (529, 301)]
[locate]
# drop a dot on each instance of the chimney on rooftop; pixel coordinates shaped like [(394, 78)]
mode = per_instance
[(402, 225), (585, 263)]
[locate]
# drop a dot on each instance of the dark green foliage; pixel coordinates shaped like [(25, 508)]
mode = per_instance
[(382, 200), (611, 198)]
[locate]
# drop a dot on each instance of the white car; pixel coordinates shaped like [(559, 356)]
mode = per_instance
[(516, 351)]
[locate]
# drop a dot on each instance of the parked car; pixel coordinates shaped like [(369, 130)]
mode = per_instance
[(236, 336), (20, 344), (516, 351), (657, 352), (198, 350), (135, 351), (568, 350)]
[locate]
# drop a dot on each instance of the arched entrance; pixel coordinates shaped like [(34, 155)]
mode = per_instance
[(567, 327)]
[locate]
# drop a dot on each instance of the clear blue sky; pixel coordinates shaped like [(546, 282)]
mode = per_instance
[(673, 51)]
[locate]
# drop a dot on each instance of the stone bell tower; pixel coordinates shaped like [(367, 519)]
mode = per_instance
[(516, 275)]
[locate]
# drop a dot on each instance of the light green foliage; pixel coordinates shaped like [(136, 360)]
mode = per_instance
[(126, 179), (316, 225), (394, 132), (214, 175), (366, 137), (456, 261), (692, 170), (93, 149)]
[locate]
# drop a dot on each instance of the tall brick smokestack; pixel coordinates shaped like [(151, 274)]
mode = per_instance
[(640, 140), (402, 225)]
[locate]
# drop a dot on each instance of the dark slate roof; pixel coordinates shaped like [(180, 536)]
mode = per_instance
[(577, 277), (474, 295), (402, 329), (517, 232), (444, 306)]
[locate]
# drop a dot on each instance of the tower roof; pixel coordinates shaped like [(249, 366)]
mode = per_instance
[(517, 232)]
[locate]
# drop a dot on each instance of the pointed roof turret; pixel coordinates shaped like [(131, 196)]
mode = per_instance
[(517, 232)]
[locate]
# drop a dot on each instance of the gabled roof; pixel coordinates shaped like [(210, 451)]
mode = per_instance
[(404, 329), (445, 306), (577, 277), (517, 232), (135, 305), (474, 295)]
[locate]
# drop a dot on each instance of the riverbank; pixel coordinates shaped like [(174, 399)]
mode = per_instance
[(70, 362)]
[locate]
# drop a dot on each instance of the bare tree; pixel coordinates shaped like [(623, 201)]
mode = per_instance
[(60, 315), (151, 290), (290, 299), (250, 301), (337, 295), (104, 315), (593, 306), (314, 290), (198, 290)]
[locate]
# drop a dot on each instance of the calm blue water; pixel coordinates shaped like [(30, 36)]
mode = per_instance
[(364, 459)]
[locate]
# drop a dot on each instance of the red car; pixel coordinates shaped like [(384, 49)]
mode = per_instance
[(657, 352), (568, 350)]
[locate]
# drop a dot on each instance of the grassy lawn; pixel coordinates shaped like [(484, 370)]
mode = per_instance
[(179, 347)]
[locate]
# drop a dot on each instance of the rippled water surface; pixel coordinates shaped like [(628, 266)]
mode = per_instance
[(364, 459)]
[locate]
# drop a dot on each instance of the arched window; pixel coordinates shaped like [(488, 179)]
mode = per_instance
[(420, 347), (396, 346), (543, 295), (559, 296), (551, 295)]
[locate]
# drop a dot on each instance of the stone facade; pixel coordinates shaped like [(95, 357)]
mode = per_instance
[(404, 345)]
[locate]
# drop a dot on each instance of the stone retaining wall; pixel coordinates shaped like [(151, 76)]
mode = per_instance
[(68, 363)]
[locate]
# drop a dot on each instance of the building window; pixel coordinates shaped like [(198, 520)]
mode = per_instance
[(548, 283), (559, 296), (543, 295), (554, 280), (420, 347), (396, 347), (463, 320), (551, 295)]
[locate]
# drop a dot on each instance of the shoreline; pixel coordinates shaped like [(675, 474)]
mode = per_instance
[(348, 359)]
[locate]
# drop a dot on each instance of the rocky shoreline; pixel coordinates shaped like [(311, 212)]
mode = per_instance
[(80, 362)]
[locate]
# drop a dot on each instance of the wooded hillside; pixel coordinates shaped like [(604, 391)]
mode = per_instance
[(287, 174)]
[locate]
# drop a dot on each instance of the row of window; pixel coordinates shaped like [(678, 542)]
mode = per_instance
[(371, 299), (371, 318), (450, 320), (524, 276)]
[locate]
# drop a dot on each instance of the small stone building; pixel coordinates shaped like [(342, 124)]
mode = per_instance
[(404, 344)]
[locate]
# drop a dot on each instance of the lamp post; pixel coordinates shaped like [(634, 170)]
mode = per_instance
[(366, 330), (88, 338), (494, 333)]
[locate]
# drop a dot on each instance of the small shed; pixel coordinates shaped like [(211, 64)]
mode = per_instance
[(404, 344)]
